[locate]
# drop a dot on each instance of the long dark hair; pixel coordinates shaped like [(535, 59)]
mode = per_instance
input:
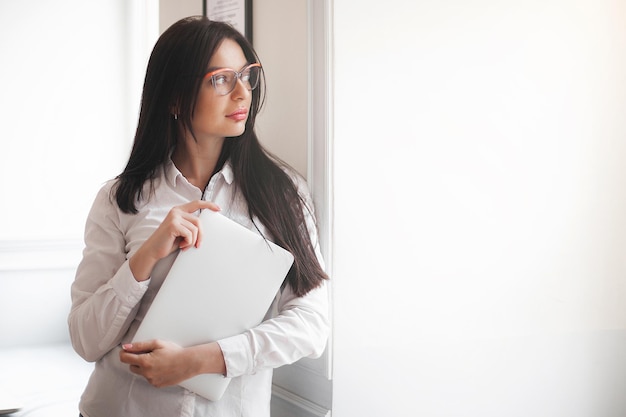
[(173, 78)]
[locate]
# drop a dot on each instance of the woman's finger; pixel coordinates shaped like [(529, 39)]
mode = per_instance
[(141, 347), (195, 225), (196, 205), (188, 230)]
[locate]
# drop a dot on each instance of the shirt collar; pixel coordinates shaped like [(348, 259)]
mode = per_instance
[(172, 174), (227, 172)]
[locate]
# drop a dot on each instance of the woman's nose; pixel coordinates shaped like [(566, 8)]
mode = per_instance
[(240, 91)]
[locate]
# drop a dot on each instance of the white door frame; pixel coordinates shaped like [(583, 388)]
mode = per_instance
[(306, 386)]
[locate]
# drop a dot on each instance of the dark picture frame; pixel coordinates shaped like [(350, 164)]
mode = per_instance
[(236, 12)]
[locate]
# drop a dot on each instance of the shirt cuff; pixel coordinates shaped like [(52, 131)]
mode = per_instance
[(126, 287), (237, 355)]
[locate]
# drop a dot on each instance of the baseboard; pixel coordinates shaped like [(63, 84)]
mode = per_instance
[(288, 404)]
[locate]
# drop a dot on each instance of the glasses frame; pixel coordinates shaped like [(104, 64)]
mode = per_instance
[(238, 75)]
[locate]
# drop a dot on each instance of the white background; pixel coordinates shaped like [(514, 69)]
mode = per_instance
[(480, 208)]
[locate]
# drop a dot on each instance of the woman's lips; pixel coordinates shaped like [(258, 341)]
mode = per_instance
[(238, 115)]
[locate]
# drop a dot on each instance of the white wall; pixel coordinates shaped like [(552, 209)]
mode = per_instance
[(170, 11), (479, 208), (280, 36), (62, 83), (70, 83)]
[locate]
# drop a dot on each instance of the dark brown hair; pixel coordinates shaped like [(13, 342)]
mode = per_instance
[(173, 78)]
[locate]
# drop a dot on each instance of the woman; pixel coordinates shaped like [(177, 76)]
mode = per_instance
[(195, 148)]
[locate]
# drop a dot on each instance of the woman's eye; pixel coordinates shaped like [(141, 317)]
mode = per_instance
[(220, 79)]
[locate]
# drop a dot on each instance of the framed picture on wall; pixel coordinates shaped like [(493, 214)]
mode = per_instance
[(236, 12)]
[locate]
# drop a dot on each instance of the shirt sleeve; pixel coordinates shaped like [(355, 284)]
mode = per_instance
[(299, 328), (105, 295)]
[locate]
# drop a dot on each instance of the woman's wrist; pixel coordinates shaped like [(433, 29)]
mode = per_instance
[(208, 358), (141, 265)]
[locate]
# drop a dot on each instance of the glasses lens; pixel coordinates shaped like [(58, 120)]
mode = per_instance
[(224, 81), (250, 77)]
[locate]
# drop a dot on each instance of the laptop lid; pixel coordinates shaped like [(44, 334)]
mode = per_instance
[(218, 290)]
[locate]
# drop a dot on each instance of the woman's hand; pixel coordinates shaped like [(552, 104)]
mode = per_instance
[(166, 363), (179, 230)]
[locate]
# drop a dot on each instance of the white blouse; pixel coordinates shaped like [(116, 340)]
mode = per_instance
[(108, 304)]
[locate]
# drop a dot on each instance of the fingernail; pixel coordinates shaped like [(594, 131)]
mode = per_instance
[(127, 346)]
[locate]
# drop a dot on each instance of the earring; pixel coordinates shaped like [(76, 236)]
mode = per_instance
[(175, 116)]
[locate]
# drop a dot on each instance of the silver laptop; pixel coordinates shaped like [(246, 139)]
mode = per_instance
[(218, 290)]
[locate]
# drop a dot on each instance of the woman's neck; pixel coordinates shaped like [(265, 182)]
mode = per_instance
[(197, 161)]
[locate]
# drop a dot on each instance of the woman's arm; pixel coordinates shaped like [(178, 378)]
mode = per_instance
[(299, 330), (299, 326), (108, 288), (105, 295), (165, 363)]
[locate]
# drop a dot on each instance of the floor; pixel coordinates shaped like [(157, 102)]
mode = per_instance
[(42, 381)]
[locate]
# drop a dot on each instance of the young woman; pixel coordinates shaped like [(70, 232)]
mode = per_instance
[(195, 148)]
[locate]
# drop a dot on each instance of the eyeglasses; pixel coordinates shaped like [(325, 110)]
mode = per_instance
[(224, 80)]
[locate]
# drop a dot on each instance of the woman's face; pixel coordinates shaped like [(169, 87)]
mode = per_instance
[(217, 116)]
